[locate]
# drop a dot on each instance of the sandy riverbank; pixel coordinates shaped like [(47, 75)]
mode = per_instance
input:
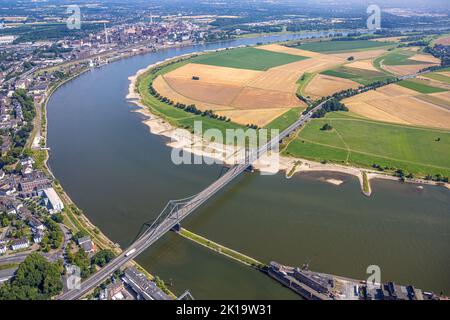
[(183, 139)]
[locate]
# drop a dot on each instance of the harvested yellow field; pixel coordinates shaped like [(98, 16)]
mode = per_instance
[(293, 51), (163, 88), (445, 73), (369, 111), (442, 95), (323, 86), (284, 78), (213, 74), (395, 90), (219, 94), (362, 64), (254, 98), (220, 88), (260, 117), (404, 70), (360, 55), (425, 58), (399, 105), (274, 79)]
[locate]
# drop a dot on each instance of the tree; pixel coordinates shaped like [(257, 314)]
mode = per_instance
[(80, 234), (102, 258), (5, 222), (35, 279), (326, 127)]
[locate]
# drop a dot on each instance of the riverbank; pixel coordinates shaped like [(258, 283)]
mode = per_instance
[(74, 218)]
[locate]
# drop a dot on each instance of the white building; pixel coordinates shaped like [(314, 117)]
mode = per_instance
[(36, 225), (52, 201), (20, 244), (37, 236), (2, 249)]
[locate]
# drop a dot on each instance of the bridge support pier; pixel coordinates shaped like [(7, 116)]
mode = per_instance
[(177, 228)]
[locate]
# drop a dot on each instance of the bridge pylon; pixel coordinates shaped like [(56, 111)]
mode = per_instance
[(177, 228)]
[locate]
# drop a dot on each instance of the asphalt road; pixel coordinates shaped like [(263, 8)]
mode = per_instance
[(5, 275)]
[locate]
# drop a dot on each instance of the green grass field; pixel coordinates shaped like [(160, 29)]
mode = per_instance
[(247, 58), (361, 76), (438, 77), (344, 46), (285, 120), (364, 143), (303, 82), (420, 86), (397, 58)]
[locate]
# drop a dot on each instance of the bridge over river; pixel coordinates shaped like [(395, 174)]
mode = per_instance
[(178, 210)]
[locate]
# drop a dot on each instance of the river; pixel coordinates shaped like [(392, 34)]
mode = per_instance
[(121, 176)]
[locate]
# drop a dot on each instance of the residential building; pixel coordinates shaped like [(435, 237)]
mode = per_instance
[(33, 184), (20, 244), (38, 236), (86, 244), (3, 249), (36, 225)]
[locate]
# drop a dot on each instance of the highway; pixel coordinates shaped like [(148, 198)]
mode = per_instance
[(176, 215)]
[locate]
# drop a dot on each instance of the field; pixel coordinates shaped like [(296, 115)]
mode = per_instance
[(389, 39), (260, 117), (263, 92), (404, 62), (420, 86), (400, 104), (247, 58), (444, 41), (285, 120), (362, 64), (364, 143), (360, 55), (173, 115), (246, 93), (288, 50), (323, 86), (399, 58), (209, 74), (342, 46), (361, 76), (441, 77)]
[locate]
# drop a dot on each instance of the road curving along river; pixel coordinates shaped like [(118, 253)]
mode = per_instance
[(122, 176)]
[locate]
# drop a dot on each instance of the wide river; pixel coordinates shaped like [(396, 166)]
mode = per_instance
[(122, 176)]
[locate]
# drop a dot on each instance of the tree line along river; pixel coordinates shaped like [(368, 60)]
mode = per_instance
[(121, 176)]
